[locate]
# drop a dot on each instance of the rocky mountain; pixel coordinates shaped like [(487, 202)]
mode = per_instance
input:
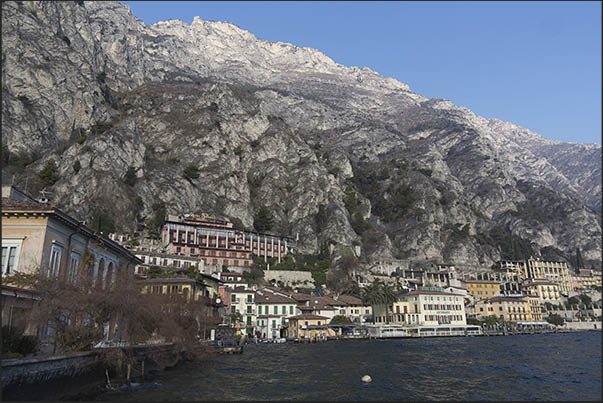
[(340, 155)]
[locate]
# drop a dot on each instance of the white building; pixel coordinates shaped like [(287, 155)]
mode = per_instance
[(424, 308), (272, 312), (243, 302)]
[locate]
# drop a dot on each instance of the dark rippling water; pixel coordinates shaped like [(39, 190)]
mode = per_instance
[(563, 366)]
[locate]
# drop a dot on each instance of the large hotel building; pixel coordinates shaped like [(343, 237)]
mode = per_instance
[(215, 241)]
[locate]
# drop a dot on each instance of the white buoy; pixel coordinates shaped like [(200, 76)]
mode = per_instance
[(366, 379)]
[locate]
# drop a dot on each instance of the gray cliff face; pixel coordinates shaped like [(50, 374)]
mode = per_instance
[(339, 154)]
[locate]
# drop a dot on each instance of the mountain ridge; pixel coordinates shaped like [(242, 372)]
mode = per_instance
[(123, 87)]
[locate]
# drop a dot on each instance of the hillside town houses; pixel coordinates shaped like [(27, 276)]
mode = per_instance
[(207, 259)]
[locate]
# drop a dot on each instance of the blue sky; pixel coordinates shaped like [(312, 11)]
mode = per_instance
[(536, 64)]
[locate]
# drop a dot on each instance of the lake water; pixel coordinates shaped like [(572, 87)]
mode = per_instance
[(564, 366)]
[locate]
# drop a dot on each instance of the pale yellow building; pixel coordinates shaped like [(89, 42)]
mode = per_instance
[(424, 308), (309, 326), (536, 308), (483, 288), (517, 309), (555, 271), (586, 279), (546, 291)]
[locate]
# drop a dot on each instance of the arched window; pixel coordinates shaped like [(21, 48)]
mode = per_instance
[(100, 273), (108, 280)]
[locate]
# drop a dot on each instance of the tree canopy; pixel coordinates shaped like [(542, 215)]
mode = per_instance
[(263, 219)]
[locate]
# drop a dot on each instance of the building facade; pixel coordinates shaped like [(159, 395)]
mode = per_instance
[(40, 237), (272, 313), (424, 308), (546, 291), (482, 288), (555, 271), (217, 242), (150, 259), (243, 302)]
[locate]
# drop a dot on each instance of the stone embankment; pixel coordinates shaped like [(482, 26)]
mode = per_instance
[(83, 375)]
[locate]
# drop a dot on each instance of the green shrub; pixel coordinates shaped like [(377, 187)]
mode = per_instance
[(100, 77), (156, 222), (263, 219), (130, 176), (190, 172), (100, 126), (340, 319), (17, 345), (48, 175), (139, 202), (555, 319), (333, 171), (102, 220), (27, 103)]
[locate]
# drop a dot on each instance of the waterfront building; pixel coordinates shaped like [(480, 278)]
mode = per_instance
[(322, 306), (203, 292), (517, 309), (546, 291), (39, 236), (535, 307), (424, 308), (482, 288), (309, 326), (272, 312), (354, 309), (217, 241), (243, 302)]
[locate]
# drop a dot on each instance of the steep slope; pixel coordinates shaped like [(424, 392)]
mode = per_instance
[(340, 155)]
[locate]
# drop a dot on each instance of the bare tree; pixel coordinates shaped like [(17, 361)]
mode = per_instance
[(77, 314)]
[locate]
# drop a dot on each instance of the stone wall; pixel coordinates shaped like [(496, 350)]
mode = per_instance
[(582, 325), (291, 278), (77, 374)]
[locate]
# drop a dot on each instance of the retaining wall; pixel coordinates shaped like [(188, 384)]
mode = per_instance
[(582, 325), (77, 374), (288, 277)]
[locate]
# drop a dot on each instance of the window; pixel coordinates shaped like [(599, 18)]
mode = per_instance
[(275, 310), (73, 269), (10, 255), (283, 310), (55, 260), (260, 310), (273, 323), (249, 298), (249, 320), (248, 308), (291, 310), (233, 298)]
